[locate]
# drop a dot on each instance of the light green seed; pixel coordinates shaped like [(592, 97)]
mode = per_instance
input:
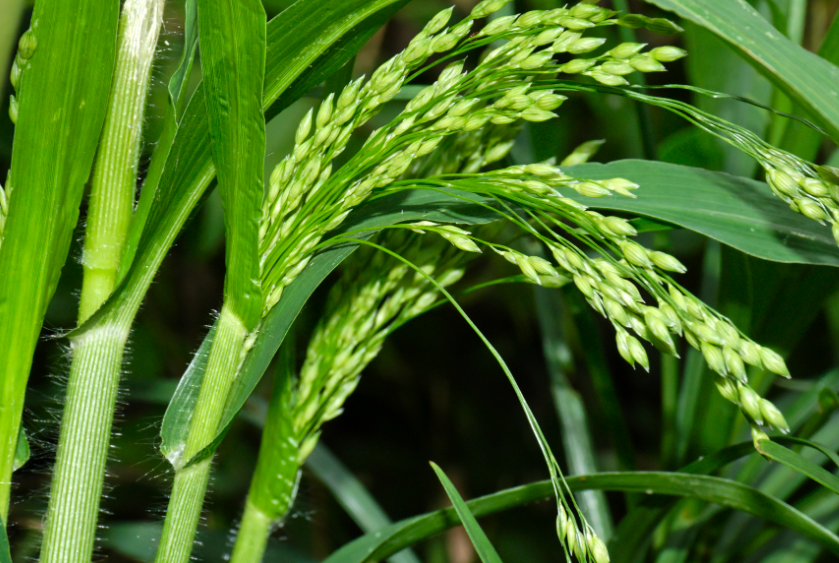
[(750, 402), (773, 362), (773, 416)]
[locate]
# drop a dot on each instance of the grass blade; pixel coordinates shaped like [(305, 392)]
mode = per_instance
[(798, 463), (232, 36), (69, 76), (353, 497), (479, 539), (803, 76), (727, 493)]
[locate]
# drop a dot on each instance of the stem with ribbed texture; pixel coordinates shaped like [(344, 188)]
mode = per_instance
[(115, 172), (190, 485), (252, 536), (97, 354), (83, 448)]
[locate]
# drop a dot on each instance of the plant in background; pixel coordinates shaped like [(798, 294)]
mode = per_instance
[(408, 209)]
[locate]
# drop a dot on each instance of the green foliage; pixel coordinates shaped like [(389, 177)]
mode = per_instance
[(365, 181), (67, 77)]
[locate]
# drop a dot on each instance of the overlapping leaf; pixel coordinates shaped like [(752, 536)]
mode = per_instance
[(63, 94), (476, 534), (803, 76)]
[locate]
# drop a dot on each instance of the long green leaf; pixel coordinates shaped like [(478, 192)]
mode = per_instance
[(63, 94), (476, 534), (738, 212), (731, 494), (798, 463), (232, 36), (635, 530), (803, 76)]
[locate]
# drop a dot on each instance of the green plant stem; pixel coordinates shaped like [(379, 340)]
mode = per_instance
[(191, 479), (97, 355), (275, 478), (83, 448), (252, 536), (115, 172)]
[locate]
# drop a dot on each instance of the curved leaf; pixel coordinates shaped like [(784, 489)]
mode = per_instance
[(738, 212), (798, 463), (803, 76), (731, 494)]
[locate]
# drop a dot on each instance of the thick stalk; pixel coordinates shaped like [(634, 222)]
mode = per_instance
[(252, 536), (190, 485), (275, 478), (97, 355), (83, 448), (115, 173)]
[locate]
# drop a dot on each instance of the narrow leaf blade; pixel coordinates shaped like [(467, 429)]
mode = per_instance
[(232, 36), (479, 539), (373, 547), (800, 74), (798, 463), (63, 94)]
